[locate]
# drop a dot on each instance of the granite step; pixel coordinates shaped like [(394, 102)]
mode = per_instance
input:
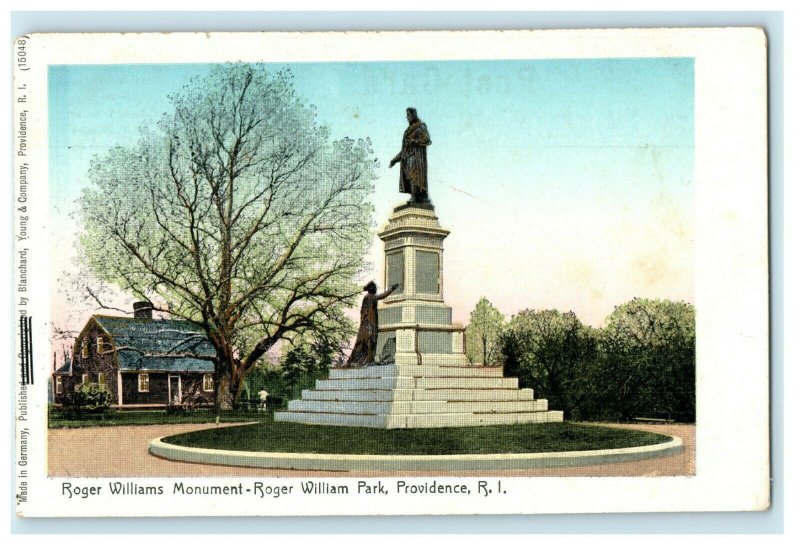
[(416, 407), (358, 395), (411, 359), (486, 419), (433, 371), (426, 383), (503, 394), (330, 419), (383, 383), (388, 383), (419, 420), (474, 394)]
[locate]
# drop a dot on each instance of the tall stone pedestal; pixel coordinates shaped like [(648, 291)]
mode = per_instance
[(415, 326), (422, 377)]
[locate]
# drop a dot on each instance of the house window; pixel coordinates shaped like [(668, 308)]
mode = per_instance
[(85, 378), (59, 385), (85, 349), (208, 382), (103, 345), (101, 378), (144, 382)]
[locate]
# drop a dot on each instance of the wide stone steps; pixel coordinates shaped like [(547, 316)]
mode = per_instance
[(418, 396), (420, 420), (523, 394), (417, 407)]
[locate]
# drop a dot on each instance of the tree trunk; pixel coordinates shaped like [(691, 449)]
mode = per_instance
[(229, 379), (227, 390)]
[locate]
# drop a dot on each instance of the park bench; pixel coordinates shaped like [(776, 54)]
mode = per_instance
[(654, 416)]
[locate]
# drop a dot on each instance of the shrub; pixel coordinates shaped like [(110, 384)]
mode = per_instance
[(193, 398), (87, 399), (647, 360), (177, 409), (550, 351)]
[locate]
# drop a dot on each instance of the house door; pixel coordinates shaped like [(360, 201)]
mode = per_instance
[(174, 389)]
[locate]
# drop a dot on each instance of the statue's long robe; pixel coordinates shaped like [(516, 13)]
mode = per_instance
[(414, 160), (363, 353)]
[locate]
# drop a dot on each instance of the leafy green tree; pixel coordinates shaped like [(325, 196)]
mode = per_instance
[(238, 213), (302, 361), (549, 350), (647, 360), (301, 368), (267, 376), (483, 332)]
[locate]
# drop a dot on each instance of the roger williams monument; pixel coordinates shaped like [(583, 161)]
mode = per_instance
[(413, 159), (408, 368)]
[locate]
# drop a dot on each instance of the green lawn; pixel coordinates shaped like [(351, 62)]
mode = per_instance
[(57, 419), (273, 436)]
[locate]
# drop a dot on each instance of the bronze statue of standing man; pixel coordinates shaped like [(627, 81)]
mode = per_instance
[(413, 159)]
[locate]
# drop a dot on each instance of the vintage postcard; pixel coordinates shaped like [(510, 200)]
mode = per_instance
[(391, 273)]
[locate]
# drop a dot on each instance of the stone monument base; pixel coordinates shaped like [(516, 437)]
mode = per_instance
[(426, 381), (418, 396)]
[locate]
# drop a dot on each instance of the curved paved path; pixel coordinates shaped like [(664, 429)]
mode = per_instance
[(121, 451)]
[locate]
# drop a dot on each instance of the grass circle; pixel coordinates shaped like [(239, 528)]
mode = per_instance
[(509, 439)]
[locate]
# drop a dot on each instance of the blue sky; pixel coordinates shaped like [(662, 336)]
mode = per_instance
[(572, 178)]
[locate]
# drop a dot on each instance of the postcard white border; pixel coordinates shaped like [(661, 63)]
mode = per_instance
[(731, 275)]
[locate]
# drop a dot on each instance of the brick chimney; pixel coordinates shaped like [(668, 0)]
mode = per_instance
[(143, 310)]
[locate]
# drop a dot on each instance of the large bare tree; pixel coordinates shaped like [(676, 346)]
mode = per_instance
[(238, 213)]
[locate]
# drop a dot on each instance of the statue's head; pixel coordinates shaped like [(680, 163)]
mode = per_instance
[(411, 114), (371, 288)]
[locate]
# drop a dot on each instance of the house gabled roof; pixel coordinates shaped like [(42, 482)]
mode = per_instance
[(64, 369), (158, 345)]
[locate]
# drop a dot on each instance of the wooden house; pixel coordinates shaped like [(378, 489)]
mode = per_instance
[(144, 362)]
